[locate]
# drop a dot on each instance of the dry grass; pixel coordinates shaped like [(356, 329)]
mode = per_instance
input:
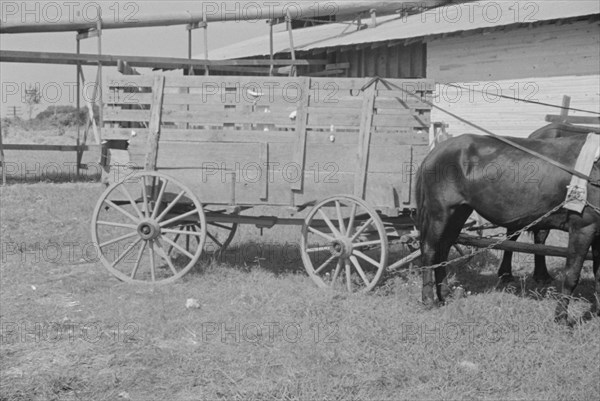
[(143, 344)]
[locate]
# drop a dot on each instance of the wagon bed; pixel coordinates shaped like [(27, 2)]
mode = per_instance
[(347, 148)]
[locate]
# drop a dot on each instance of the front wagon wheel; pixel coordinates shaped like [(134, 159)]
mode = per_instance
[(344, 243), (142, 229)]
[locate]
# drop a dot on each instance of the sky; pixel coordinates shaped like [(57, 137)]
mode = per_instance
[(57, 81)]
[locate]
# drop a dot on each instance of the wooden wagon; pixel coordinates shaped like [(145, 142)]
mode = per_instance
[(186, 157)]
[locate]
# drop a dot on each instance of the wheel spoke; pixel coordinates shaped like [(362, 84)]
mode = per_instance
[(121, 210), (348, 277), (110, 223), (159, 199), (366, 243), (327, 262), (170, 206), (121, 238), (187, 239), (359, 270), (145, 196), (329, 223), (179, 248), (152, 264), (214, 239), (338, 210), (368, 259), (137, 261), (336, 273), (317, 249), (181, 216), (175, 239), (129, 248), (351, 222), (322, 234), (161, 252), (362, 228), (125, 192)]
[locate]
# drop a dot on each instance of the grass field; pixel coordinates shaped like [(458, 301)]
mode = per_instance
[(263, 330)]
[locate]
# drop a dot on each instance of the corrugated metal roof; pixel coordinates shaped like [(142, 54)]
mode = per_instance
[(443, 20)]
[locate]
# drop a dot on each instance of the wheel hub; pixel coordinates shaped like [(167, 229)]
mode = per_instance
[(341, 247), (148, 229)]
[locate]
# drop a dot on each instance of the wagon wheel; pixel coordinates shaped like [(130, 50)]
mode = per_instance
[(141, 239), (344, 236)]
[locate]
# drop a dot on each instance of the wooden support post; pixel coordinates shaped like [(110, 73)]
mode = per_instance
[(98, 132), (271, 50), (364, 140), (264, 161), (2, 160), (566, 103), (155, 122), (205, 23), (299, 157), (78, 73), (292, 50)]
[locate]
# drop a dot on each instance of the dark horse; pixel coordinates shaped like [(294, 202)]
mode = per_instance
[(508, 187), (540, 272)]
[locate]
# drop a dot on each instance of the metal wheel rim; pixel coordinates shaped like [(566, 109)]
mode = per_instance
[(201, 235), (345, 266)]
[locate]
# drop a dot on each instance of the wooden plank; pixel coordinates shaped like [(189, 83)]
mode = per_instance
[(226, 136), (155, 122), (573, 119), (360, 180), (515, 246), (16, 56), (264, 161), (56, 148), (301, 124), (346, 84)]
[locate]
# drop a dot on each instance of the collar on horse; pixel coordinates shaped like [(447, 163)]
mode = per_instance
[(498, 137)]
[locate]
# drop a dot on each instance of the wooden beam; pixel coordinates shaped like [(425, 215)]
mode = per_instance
[(17, 56), (37, 146), (299, 157), (155, 121), (364, 141), (515, 246), (573, 119)]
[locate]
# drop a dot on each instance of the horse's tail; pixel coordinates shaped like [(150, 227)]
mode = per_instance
[(422, 204)]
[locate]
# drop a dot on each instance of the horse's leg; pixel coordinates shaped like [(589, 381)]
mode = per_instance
[(580, 241), (540, 270), (455, 224), (430, 255), (505, 270)]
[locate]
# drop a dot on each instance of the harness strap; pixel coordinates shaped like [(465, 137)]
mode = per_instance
[(498, 137)]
